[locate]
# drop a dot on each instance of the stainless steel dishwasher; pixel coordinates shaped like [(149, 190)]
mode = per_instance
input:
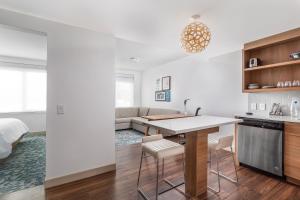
[(260, 145)]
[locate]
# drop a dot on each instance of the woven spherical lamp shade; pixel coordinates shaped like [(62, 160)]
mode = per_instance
[(195, 37)]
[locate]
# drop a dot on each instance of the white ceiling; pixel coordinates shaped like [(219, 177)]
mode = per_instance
[(147, 55), (150, 29)]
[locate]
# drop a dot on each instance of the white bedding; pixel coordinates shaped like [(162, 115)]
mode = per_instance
[(10, 131)]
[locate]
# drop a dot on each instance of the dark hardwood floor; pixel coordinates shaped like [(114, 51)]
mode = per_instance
[(121, 185)]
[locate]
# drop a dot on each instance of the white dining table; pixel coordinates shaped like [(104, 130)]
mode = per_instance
[(196, 130)]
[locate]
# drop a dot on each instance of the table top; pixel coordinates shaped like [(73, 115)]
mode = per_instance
[(190, 124), (167, 116)]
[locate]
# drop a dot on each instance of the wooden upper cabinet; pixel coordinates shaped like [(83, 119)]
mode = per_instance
[(276, 64), (292, 150)]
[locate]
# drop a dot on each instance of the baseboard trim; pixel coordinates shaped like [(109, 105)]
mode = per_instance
[(293, 180), (78, 176)]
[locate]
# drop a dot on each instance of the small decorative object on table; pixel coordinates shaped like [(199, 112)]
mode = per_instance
[(276, 109), (254, 62), (295, 55)]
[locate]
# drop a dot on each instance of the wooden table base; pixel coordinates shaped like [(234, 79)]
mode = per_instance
[(196, 162)]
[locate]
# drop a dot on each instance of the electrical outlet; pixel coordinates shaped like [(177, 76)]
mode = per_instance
[(253, 106), (60, 109), (262, 106)]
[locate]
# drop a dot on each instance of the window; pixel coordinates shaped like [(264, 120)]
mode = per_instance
[(22, 89), (124, 90)]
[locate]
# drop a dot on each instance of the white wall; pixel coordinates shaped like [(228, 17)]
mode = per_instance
[(215, 85), (137, 84), (81, 77)]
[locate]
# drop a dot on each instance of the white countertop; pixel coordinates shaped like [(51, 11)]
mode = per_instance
[(271, 117), (189, 124)]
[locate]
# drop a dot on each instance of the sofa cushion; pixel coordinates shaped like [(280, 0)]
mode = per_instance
[(143, 111), (160, 111), (123, 120), (121, 126), (127, 112)]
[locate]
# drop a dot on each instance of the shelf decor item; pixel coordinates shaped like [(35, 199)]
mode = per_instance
[(254, 62), (166, 83), (195, 36), (295, 55)]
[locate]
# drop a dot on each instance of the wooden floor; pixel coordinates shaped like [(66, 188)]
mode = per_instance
[(121, 185)]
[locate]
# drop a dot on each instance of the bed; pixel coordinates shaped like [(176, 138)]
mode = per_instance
[(11, 130)]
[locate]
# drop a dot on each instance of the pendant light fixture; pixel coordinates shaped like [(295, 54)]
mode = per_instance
[(195, 36)]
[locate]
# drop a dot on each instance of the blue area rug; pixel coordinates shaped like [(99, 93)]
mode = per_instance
[(25, 167), (126, 137)]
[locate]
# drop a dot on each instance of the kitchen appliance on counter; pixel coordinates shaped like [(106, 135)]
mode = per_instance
[(260, 145), (295, 107), (254, 62)]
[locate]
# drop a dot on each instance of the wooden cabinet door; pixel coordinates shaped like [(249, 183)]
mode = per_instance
[(292, 150)]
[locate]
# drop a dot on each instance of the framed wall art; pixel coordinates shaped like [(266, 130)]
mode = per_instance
[(160, 96), (166, 83), (163, 95), (158, 84)]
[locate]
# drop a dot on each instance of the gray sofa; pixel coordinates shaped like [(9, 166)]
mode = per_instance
[(125, 117)]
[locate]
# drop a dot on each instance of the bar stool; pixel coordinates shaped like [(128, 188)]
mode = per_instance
[(160, 149), (217, 142)]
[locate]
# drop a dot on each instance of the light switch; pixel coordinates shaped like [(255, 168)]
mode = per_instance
[(253, 106), (262, 106), (60, 109)]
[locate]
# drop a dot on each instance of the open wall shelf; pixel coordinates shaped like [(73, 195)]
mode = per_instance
[(281, 64), (276, 64)]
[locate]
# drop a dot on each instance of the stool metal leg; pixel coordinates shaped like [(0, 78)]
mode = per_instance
[(209, 158), (226, 177), (141, 162), (163, 168), (173, 186), (218, 175), (237, 178), (157, 177)]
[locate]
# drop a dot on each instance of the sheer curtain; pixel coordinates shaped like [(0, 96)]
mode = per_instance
[(124, 90), (22, 89)]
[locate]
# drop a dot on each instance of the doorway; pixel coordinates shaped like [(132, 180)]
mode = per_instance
[(23, 90)]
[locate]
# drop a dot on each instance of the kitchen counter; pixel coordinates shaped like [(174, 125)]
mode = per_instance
[(271, 117), (189, 124)]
